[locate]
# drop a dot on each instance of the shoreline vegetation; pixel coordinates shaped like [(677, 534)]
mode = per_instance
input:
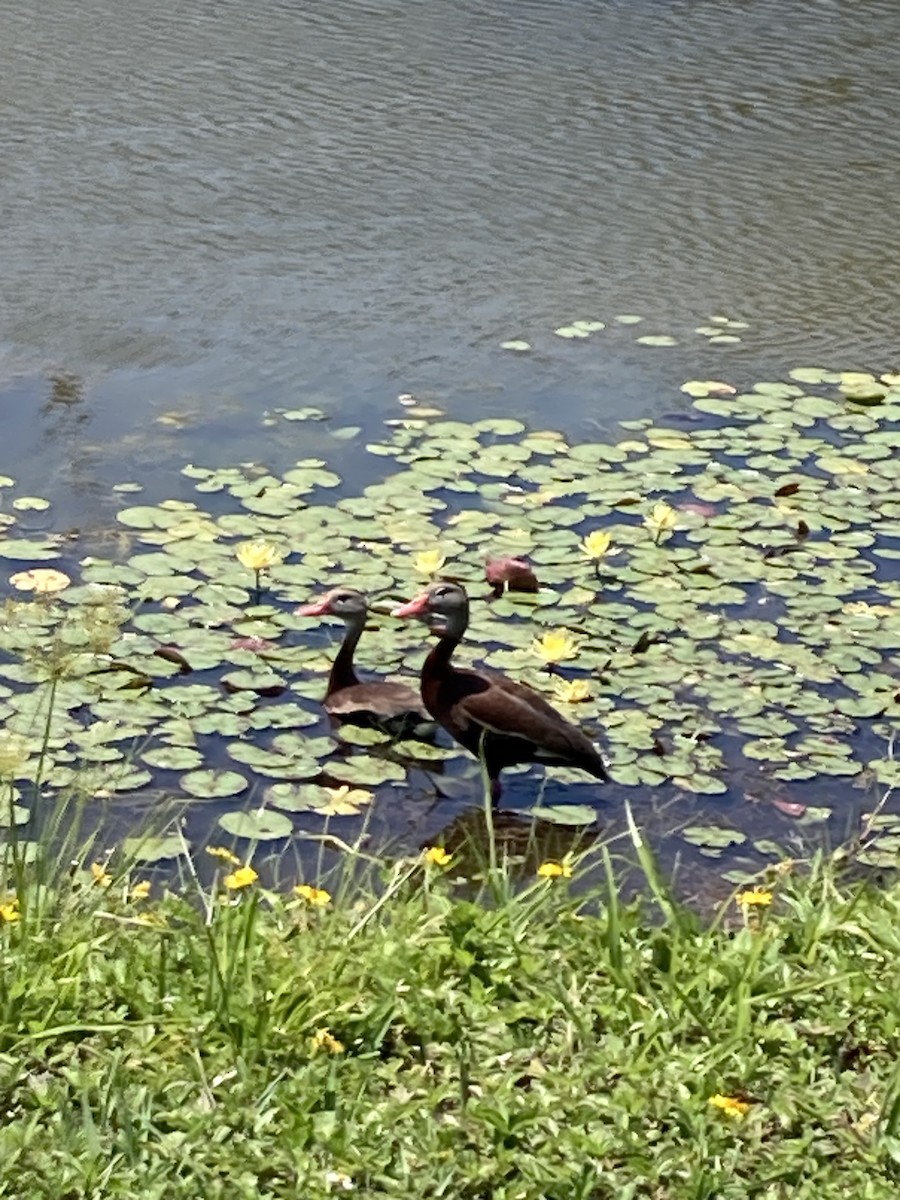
[(428, 1036)]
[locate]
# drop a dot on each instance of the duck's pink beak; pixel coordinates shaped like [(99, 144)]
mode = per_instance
[(318, 608), (413, 608)]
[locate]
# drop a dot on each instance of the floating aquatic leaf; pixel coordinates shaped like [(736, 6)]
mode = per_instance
[(30, 504), (515, 344), (151, 850), (40, 580), (656, 339), (258, 825), (565, 814), (212, 784)]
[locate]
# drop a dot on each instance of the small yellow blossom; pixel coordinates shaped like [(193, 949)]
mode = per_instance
[(572, 691), (554, 646), (100, 875), (241, 878), (437, 856), (429, 562), (661, 520), (731, 1106), (596, 545), (555, 870), (140, 891), (13, 754), (754, 898), (225, 855), (316, 896), (258, 556), (9, 910), (324, 1039)]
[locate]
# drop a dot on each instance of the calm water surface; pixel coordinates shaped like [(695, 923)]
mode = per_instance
[(213, 208), (229, 206)]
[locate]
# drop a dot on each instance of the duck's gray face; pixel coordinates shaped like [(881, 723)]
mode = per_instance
[(347, 603), (444, 607)]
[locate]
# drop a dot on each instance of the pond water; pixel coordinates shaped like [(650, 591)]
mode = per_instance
[(212, 211)]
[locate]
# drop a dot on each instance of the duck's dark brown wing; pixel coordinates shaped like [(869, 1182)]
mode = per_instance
[(511, 710)]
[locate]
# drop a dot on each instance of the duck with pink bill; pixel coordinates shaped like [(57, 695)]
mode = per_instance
[(500, 721), (347, 696)]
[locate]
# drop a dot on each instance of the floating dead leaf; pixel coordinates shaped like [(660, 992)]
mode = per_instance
[(40, 579), (788, 489)]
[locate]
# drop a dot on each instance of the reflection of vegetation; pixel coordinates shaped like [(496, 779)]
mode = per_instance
[(415, 1042)]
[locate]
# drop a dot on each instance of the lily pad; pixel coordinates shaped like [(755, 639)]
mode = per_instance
[(258, 825), (211, 784)]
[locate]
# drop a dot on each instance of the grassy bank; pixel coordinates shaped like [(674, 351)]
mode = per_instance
[(417, 1043)]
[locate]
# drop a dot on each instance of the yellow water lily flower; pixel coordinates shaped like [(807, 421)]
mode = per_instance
[(555, 646), (258, 556), (429, 562), (754, 898), (324, 1039), (100, 875), (731, 1106), (661, 520), (437, 856), (572, 691), (241, 878), (555, 870), (316, 896), (225, 855), (9, 911), (596, 545), (140, 891)]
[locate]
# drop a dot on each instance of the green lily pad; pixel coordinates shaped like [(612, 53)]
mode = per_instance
[(212, 784), (151, 850), (258, 825)]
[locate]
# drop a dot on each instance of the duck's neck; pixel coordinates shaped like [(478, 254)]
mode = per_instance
[(342, 672), (438, 661)]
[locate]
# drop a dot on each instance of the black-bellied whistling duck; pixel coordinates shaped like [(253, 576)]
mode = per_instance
[(510, 573), (346, 695), (495, 718)]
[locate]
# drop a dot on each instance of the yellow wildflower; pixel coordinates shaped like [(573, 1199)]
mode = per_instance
[(437, 856), (731, 1106), (241, 878), (258, 556), (661, 520), (140, 891), (572, 691), (324, 1039), (100, 875), (225, 855), (555, 870), (13, 754), (429, 562), (554, 646), (316, 896), (754, 898), (9, 910), (596, 545)]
